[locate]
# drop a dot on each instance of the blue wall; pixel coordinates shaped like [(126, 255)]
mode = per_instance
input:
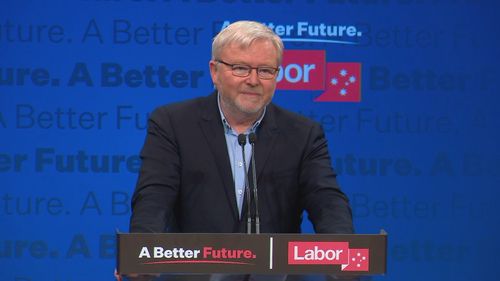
[(417, 155)]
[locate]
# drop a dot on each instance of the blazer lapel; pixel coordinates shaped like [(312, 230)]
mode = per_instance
[(266, 137), (213, 130)]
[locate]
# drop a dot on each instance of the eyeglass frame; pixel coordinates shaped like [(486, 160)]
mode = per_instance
[(276, 69)]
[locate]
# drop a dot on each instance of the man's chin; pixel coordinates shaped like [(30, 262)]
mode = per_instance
[(250, 109)]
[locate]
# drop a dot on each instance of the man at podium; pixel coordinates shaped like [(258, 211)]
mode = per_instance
[(234, 162)]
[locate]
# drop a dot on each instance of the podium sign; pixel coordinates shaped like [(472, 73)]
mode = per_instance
[(339, 254)]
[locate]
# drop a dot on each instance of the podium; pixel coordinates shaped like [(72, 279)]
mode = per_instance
[(338, 254)]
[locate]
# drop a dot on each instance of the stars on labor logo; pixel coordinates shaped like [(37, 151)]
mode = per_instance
[(343, 79), (358, 260), (343, 82)]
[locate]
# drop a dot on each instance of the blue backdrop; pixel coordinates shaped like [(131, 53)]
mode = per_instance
[(416, 148)]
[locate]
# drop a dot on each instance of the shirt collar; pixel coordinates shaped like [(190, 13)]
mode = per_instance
[(227, 127)]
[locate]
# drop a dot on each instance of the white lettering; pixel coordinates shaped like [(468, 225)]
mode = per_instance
[(296, 254), (294, 73), (176, 253), (158, 252), (317, 254), (144, 253)]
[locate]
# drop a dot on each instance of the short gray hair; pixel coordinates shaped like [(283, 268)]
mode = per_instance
[(244, 33)]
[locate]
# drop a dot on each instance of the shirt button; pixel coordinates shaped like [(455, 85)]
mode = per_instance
[(240, 164), (240, 192)]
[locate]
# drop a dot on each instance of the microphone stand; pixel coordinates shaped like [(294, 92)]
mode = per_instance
[(242, 140), (251, 139)]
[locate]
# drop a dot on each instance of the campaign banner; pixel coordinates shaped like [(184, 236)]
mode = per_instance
[(147, 253)]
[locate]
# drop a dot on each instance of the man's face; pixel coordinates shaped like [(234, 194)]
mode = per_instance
[(245, 96)]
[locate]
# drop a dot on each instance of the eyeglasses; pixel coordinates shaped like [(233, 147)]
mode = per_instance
[(241, 70)]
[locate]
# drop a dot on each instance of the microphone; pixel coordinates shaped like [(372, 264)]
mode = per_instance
[(252, 138), (242, 140)]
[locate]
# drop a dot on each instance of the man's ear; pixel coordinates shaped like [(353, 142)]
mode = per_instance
[(213, 71)]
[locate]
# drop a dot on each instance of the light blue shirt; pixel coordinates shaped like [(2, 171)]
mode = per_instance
[(235, 155)]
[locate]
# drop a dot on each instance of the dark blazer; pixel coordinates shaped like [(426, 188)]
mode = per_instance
[(186, 184)]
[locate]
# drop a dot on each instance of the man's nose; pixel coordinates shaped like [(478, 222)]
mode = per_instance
[(253, 77)]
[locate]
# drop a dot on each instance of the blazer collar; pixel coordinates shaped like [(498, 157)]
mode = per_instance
[(267, 134), (213, 129)]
